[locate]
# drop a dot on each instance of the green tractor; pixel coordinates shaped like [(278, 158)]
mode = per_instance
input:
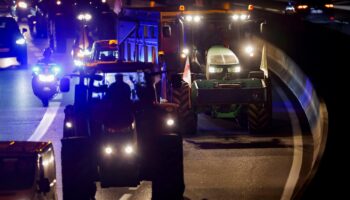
[(226, 91)]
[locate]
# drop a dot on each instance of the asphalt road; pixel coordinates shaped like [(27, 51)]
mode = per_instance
[(220, 162)]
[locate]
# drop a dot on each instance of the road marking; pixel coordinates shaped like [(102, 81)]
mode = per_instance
[(58, 96), (46, 122), (125, 197), (294, 172)]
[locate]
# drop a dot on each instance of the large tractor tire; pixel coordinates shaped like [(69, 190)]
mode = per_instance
[(79, 169), (260, 115), (168, 182), (188, 118)]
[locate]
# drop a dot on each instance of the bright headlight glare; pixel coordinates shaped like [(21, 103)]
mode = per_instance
[(186, 51), (103, 1), (69, 124), (21, 41), (249, 49), (108, 150), (58, 2), (23, 5), (170, 122), (189, 18), (244, 16), (88, 16), (81, 17), (197, 18), (128, 149), (235, 17), (46, 78)]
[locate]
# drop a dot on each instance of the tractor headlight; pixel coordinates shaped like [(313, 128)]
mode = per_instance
[(69, 124), (108, 150), (215, 70), (249, 50), (235, 69), (129, 149)]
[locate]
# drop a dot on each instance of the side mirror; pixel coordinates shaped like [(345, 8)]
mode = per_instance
[(64, 85), (166, 31), (176, 81), (44, 185), (24, 30)]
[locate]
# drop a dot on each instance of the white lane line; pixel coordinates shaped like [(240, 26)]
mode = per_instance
[(125, 197), (58, 96), (294, 172), (46, 122)]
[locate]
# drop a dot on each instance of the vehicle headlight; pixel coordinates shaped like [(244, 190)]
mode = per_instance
[(215, 70), (128, 149), (170, 122), (249, 50), (85, 16), (21, 41), (36, 69), (46, 78), (235, 69), (108, 150), (22, 5), (69, 124), (58, 2), (56, 69)]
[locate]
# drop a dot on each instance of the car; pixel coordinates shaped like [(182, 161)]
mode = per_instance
[(27, 170), (12, 43)]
